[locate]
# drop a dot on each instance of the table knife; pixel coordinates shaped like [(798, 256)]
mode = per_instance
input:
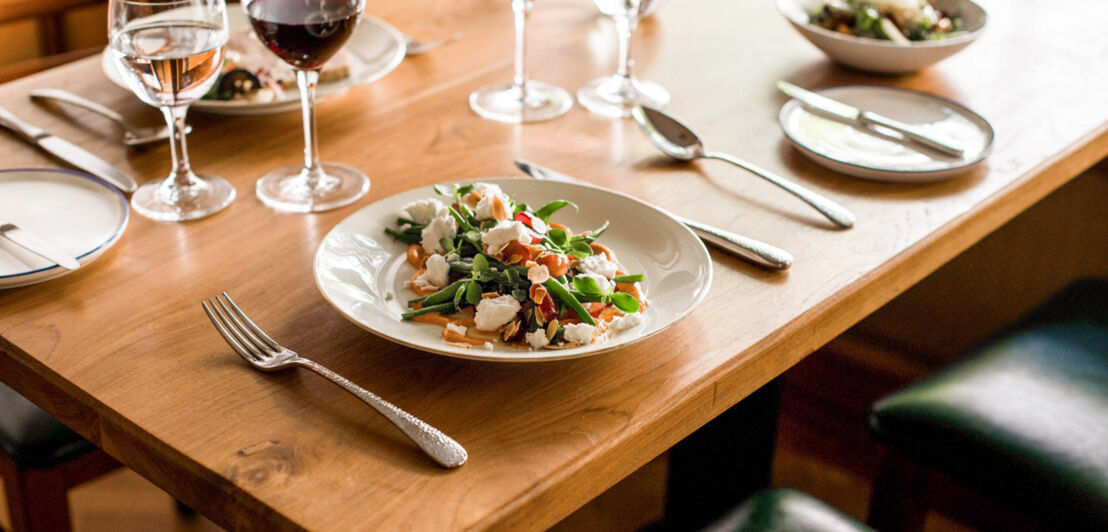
[(68, 152), (850, 113), (754, 251), (38, 246)]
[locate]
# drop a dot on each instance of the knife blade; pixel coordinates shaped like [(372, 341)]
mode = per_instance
[(68, 152), (754, 251), (38, 246), (837, 109)]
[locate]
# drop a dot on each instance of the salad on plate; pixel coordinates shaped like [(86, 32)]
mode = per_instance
[(492, 271), (900, 21)]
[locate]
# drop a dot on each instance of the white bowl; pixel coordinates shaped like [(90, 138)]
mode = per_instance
[(876, 55)]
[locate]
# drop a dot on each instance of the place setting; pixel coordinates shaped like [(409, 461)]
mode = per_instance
[(494, 269)]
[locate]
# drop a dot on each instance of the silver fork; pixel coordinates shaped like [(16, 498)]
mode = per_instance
[(132, 135), (415, 47), (265, 354)]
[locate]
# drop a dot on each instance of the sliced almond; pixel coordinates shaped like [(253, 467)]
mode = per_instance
[(539, 317), (538, 293), (509, 330), (499, 210), (551, 330), (490, 295)]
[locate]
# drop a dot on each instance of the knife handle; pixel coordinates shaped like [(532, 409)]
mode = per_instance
[(23, 129), (755, 251), (912, 133)]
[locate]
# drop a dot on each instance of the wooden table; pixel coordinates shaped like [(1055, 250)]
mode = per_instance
[(122, 352)]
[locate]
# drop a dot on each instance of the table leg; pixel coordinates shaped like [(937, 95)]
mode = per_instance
[(723, 462)]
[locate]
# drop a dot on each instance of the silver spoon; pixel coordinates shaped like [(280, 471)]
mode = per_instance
[(680, 142), (415, 47), (132, 135)]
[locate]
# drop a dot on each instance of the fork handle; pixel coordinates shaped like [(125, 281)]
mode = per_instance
[(442, 448)]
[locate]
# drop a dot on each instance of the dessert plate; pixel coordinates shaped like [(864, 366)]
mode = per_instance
[(874, 153), (81, 214)]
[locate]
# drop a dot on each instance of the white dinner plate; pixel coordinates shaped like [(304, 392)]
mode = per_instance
[(363, 272), (848, 149), (81, 214), (375, 49)]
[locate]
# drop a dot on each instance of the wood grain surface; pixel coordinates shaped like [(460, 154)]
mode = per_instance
[(122, 352)]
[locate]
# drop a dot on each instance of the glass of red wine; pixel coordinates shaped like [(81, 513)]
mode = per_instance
[(169, 53), (520, 100), (305, 34)]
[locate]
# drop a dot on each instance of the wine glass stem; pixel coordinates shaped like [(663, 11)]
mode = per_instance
[(307, 80), (625, 26), (521, 8), (181, 175)]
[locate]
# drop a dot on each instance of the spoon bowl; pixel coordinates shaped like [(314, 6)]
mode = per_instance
[(682, 143)]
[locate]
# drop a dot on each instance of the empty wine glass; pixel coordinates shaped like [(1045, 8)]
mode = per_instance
[(614, 96), (169, 52), (305, 34), (520, 100)]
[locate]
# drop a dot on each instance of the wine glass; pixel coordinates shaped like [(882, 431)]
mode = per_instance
[(614, 96), (305, 34), (169, 52), (520, 100)]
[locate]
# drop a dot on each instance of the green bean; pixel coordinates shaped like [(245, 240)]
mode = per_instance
[(562, 294), (629, 278), (446, 294), (441, 307)]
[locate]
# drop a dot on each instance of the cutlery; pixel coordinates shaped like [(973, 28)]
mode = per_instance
[(680, 142), (415, 47), (68, 152), (755, 251), (132, 135), (265, 354), (38, 246), (842, 111)]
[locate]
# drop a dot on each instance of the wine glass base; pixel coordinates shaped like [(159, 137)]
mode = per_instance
[(287, 189), (615, 96), (205, 196), (503, 102)]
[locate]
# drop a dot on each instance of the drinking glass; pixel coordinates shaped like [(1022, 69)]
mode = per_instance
[(520, 100), (614, 96), (305, 34), (169, 52)]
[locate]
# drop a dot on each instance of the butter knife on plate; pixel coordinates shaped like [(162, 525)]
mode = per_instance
[(843, 111), (754, 251), (68, 152), (37, 245)]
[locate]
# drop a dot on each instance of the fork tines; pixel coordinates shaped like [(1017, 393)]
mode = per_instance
[(238, 330)]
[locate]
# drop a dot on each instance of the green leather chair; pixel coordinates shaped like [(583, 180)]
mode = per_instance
[(1022, 419), (785, 510)]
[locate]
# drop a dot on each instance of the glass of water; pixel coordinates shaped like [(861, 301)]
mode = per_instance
[(170, 53)]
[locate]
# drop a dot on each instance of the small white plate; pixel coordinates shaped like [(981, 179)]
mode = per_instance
[(849, 149), (375, 49), (80, 213), (363, 273)]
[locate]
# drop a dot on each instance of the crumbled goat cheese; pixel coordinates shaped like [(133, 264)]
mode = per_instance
[(601, 281), (579, 333), (424, 210), (599, 265), (537, 339), (488, 346), (503, 232), (435, 276), (538, 274), (482, 190), (626, 321), (454, 327), (494, 312), (442, 226), (453, 257), (484, 209)]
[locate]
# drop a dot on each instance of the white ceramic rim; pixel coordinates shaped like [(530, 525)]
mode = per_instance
[(789, 107), (542, 355)]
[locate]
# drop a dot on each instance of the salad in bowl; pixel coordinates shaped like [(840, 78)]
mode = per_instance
[(490, 271)]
